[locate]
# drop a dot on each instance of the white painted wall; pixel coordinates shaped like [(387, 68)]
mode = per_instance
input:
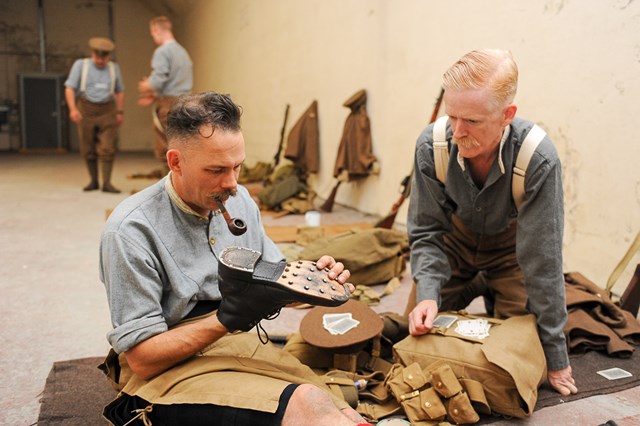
[(579, 78)]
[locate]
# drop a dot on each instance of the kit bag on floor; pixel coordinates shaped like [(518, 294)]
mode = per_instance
[(373, 256), (508, 361)]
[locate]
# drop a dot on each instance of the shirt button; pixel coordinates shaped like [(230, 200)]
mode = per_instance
[(212, 241), (478, 209)]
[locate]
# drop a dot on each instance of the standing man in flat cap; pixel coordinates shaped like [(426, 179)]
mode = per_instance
[(171, 76), (95, 95)]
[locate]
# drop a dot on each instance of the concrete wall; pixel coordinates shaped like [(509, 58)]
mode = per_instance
[(579, 66), (579, 79)]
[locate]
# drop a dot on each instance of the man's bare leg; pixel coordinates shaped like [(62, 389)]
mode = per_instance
[(309, 405)]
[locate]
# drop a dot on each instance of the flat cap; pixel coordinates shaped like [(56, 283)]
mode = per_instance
[(357, 99), (101, 44)]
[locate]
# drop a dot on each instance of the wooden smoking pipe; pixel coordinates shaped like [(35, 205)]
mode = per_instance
[(236, 226)]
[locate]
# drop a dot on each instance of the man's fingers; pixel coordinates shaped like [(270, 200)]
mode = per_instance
[(563, 381)]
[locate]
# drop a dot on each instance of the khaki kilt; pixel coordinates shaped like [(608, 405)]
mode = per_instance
[(237, 370)]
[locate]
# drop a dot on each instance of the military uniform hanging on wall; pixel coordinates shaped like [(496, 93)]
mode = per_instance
[(303, 143), (355, 156), (355, 159)]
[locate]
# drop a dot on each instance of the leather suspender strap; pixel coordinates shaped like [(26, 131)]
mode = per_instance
[(529, 145), (441, 148)]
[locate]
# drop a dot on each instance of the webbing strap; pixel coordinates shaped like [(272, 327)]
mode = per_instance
[(633, 249), (529, 145), (441, 148), (83, 77), (156, 120), (112, 73)]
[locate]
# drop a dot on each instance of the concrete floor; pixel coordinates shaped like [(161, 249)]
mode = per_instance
[(52, 303)]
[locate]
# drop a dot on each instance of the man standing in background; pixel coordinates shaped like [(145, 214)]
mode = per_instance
[(95, 96), (171, 76)]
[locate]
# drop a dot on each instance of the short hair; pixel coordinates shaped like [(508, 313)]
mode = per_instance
[(161, 22), (190, 112), (490, 68)]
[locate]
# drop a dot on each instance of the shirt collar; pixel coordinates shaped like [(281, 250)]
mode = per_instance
[(505, 135), (173, 195)]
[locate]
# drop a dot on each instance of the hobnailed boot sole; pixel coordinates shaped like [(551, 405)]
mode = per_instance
[(301, 280)]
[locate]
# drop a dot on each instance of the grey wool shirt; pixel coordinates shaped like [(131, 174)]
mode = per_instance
[(488, 211), (172, 73), (158, 258)]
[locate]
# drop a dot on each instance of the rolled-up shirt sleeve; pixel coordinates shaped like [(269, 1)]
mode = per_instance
[(134, 292)]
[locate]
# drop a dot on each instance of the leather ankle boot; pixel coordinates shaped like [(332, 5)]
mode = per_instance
[(254, 289)]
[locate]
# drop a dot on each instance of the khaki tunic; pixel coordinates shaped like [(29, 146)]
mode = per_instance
[(303, 144), (355, 151)]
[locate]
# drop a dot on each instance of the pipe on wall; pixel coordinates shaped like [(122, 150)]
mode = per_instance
[(43, 56)]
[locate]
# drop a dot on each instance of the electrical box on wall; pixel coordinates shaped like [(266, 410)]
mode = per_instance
[(43, 112)]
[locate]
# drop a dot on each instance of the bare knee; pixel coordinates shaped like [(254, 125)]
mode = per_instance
[(307, 396), (311, 405)]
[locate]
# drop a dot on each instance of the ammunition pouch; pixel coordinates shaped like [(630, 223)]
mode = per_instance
[(434, 394)]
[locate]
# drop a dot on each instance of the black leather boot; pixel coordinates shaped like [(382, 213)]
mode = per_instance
[(253, 289), (107, 167), (92, 166)]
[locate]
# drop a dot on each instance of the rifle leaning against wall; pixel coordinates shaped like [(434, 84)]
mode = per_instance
[(387, 221), (327, 206), (276, 158)]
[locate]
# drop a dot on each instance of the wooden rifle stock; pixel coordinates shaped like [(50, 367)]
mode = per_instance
[(327, 206), (387, 221), (276, 158)]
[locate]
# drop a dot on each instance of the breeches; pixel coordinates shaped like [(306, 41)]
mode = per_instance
[(161, 109), (98, 130), (484, 265)]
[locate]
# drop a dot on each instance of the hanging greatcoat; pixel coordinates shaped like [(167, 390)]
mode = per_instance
[(303, 143), (595, 322), (354, 152)]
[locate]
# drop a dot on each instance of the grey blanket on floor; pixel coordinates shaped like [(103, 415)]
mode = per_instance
[(76, 391)]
